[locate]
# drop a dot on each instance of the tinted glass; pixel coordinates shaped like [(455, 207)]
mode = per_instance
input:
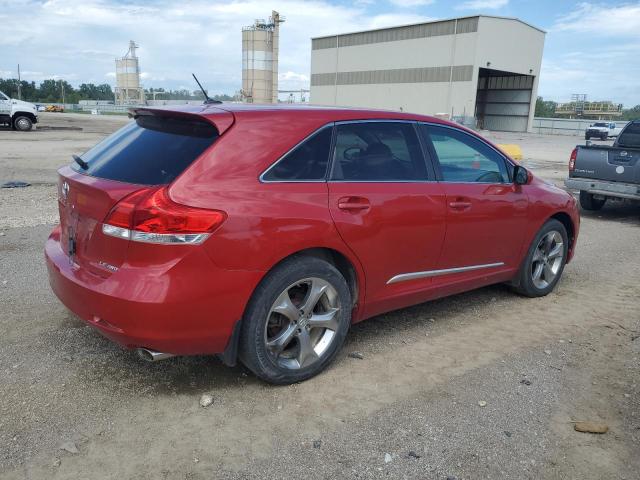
[(630, 136), (463, 158), (152, 150), (378, 151), (308, 161)]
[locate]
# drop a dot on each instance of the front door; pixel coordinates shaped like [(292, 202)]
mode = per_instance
[(486, 211), (5, 105), (386, 207)]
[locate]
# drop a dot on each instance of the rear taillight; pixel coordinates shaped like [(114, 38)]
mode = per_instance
[(149, 215), (572, 159)]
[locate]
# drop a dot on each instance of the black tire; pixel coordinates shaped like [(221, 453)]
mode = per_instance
[(253, 350), (604, 136), (22, 123), (587, 137), (525, 284), (588, 202)]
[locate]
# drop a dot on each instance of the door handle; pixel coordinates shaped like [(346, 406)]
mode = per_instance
[(460, 204), (353, 204)]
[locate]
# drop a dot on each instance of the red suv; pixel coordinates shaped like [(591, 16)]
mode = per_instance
[(263, 233)]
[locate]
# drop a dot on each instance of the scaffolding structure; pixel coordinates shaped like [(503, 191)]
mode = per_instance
[(580, 107)]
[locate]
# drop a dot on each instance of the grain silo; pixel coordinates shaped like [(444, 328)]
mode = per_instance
[(260, 60), (128, 89)]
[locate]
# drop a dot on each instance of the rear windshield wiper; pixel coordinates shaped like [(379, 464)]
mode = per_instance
[(84, 165)]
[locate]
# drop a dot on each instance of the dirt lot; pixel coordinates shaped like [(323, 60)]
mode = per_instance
[(76, 406)]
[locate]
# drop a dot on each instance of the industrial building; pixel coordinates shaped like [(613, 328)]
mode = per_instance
[(481, 70), (128, 88), (260, 60)]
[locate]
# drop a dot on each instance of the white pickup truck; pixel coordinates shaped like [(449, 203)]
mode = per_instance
[(602, 130), (17, 114)]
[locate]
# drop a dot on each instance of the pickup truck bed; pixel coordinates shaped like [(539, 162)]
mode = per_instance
[(602, 172)]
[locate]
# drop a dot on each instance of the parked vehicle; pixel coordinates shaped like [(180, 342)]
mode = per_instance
[(54, 108), (17, 114), (602, 130), (602, 172), (263, 233)]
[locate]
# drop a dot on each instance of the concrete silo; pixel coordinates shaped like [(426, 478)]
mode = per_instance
[(260, 60), (128, 89)]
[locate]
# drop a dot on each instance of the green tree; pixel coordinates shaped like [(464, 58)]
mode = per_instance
[(545, 108), (632, 113)]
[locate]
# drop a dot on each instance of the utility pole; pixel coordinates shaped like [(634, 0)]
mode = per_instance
[(19, 84), (62, 89)]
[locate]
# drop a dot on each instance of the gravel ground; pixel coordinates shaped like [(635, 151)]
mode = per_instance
[(410, 408)]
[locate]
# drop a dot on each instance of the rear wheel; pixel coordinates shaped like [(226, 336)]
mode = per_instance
[(587, 137), (545, 261), (604, 136), (296, 321), (589, 202), (22, 123)]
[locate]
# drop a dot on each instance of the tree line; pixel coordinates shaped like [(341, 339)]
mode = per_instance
[(53, 91), (61, 91), (547, 109)]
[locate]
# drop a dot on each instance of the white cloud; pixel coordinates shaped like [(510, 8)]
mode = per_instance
[(285, 76), (482, 5), (411, 3), (602, 19), (201, 36)]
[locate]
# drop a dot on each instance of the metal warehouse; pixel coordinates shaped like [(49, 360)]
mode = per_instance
[(481, 70)]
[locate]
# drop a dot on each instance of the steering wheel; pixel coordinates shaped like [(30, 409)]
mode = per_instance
[(493, 177), (351, 153)]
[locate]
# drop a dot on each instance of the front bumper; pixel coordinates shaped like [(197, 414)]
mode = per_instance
[(188, 308), (605, 188)]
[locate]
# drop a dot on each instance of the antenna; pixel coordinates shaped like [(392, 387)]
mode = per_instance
[(207, 99)]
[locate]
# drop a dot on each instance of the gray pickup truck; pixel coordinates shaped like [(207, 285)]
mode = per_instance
[(600, 172)]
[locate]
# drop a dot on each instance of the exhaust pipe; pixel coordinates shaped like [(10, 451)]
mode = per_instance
[(152, 356)]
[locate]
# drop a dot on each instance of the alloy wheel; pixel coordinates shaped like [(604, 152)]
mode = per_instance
[(547, 259), (302, 323)]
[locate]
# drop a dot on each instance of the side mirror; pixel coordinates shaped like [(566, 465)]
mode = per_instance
[(520, 175)]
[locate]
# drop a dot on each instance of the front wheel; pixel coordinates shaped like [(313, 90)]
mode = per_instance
[(23, 124), (296, 321), (545, 261), (589, 202)]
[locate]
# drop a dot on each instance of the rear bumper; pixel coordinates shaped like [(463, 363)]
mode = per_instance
[(602, 187), (187, 308)]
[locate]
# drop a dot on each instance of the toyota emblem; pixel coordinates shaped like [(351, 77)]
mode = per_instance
[(65, 190)]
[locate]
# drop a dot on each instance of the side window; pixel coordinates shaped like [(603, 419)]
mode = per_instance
[(463, 158), (307, 161), (378, 151)]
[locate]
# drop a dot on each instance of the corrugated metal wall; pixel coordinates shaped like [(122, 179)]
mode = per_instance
[(459, 73), (433, 29)]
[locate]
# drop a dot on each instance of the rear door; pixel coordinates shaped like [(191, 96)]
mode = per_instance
[(486, 212), (386, 205), (150, 151)]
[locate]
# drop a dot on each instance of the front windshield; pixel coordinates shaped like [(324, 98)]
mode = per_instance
[(3, 96)]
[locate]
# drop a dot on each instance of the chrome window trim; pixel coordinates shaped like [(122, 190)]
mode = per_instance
[(404, 277), (261, 178), (481, 140)]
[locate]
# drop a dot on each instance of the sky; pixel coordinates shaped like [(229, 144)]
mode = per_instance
[(590, 47)]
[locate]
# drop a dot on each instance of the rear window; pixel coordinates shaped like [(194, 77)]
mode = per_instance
[(630, 136), (152, 150)]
